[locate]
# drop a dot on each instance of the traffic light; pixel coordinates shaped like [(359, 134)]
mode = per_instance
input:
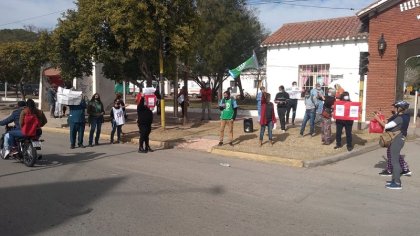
[(166, 46), (363, 63)]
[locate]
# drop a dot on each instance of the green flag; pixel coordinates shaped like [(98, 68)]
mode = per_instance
[(252, 62)]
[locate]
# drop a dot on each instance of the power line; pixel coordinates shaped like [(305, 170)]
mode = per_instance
[(290, 3), (31, 18)]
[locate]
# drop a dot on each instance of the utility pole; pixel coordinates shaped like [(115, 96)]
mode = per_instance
[(162, 100)]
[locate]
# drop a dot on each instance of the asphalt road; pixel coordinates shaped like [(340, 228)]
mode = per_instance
[(113, 190)]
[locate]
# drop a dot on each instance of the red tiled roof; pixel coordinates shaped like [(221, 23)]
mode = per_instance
[(52, 72), (315, 31)]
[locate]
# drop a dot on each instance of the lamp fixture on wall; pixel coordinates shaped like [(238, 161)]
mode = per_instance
[(381, 45)]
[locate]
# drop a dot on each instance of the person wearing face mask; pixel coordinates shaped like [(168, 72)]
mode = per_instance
[(317, 92), (397, 124), (205, 92), (261, 99), (329, 100), (346, 124), (117, 120), (228, 106), (310, 106), (282, 99), (96, 113), (294, 93)]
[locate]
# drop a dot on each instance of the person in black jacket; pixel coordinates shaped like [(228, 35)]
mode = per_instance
[(282, 99), (144, 122)]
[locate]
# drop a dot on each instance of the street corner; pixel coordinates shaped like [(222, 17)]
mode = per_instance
[(358, 150)]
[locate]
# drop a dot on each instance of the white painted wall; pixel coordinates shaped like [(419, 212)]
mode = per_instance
[(247, 81), (343, 57)]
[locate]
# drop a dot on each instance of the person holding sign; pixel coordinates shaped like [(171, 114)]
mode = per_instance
[(398, 125), (346, 124)]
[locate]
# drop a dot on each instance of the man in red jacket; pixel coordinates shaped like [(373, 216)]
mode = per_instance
[(205, 92)]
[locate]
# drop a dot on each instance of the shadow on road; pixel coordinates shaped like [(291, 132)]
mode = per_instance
[(32, 209)]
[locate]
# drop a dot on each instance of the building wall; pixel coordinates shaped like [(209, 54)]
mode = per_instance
[(398, 27), (343, 57), (248, 82)]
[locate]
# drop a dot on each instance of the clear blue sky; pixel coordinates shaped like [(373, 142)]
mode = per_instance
[(44, 13)]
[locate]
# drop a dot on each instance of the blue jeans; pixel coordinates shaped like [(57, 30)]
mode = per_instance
[(96, 124), (269, 128), (119, 131), (76, 128), (13, 134), (309, 115)]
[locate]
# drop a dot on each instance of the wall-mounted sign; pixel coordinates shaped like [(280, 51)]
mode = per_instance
[(408, 5)]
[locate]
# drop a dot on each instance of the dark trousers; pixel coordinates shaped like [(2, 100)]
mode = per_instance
[(96, 124), (117, 128), (76, 129), (144, 135), (348, 125), (291, 106), (281, 111)]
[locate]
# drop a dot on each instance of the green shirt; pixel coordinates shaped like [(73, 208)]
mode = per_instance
[(228, 112)]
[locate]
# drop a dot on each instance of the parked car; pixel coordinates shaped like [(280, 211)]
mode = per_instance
[(31, 89)]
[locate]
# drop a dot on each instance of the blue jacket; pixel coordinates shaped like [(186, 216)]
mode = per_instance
[(14, 117), (77, 113)]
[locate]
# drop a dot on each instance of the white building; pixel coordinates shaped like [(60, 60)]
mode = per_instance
[(249, 81), (323, 51)]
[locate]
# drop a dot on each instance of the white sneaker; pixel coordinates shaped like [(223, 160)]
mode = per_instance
[(6, 154)]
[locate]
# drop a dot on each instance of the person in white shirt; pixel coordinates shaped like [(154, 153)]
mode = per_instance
[(294, 94), (117, 120)]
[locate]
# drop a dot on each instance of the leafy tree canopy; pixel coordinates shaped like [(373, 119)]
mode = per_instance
[(13, 35)]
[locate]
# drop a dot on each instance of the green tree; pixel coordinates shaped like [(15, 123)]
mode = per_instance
[(229, 31), (14, 35), (124, 35), (20, 62)]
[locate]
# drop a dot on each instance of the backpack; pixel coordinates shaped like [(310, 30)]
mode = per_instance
[(30, 124)]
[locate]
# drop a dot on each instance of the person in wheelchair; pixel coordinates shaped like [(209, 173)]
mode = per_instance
[(27, 124), (12, 118)]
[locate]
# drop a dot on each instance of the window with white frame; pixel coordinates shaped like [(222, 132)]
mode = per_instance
[(309, 75)]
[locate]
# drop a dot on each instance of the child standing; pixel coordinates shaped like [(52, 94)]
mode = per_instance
[(117, 121)]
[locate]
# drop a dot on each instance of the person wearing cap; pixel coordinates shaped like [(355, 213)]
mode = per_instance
[(260, 100), (404, 165), (14, 117), (398, 124), (52, 99)]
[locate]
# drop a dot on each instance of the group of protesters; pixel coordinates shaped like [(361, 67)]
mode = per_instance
[(118, 116), (318, 109)]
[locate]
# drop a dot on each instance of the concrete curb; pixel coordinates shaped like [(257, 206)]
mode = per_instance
[(258, 157), (165, 145), (341, 156)]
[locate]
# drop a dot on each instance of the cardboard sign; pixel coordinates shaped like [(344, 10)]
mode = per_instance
[(150, 101), (347, 110), (68, 97)]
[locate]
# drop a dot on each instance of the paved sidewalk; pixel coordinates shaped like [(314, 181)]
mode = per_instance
[(288, 149)]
